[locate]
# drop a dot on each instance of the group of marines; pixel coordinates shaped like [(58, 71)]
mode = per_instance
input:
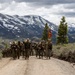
[(28, 48)]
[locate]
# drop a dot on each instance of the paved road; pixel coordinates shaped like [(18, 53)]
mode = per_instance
[(35, 66)]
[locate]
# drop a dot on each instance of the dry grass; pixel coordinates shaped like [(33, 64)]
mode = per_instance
[(58, 49), (1, 55)]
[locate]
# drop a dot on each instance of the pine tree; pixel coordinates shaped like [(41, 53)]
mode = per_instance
[(45, 33), (62, 32)]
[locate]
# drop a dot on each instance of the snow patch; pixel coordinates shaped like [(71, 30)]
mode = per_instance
[(15, 27)]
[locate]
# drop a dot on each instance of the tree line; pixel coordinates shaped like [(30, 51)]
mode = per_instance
[(62, 35)]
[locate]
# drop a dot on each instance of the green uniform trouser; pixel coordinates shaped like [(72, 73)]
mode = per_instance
[(48, 53), (14, 54), (27, 52)]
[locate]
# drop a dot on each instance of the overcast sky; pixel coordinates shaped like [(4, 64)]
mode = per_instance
[(51, 10)]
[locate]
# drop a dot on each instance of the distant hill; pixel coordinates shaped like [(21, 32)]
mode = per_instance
[(29, 26)]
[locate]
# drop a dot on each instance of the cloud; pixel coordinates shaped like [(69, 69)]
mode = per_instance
[(67, 14), (5, 1), (70, 6), (51, 10), (16, 8), (42, 2), (64, 10), (4, 6)]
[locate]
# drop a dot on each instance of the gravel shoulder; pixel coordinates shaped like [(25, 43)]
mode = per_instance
[(4, 62), (35, 66), (49, 67)]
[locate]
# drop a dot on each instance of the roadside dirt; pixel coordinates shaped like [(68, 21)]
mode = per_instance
[(35, 66)]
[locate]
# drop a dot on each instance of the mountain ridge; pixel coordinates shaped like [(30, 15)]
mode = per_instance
[(20, 24), (27, 26)]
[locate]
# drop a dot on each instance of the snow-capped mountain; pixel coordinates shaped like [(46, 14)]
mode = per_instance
[(23, 26), (71, 27), (71, 32), (29, 26)]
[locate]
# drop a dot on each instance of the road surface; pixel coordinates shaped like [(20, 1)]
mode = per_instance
[(35, 66)]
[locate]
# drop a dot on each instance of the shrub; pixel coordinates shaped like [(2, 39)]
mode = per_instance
[(1, 55)]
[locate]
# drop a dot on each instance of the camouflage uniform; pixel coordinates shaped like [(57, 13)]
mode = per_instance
[(27, 49), (40, 50), (49, 49), (32, 49), (14, 50), (4, 52), (36, 50), (19, 51), (23, 49)]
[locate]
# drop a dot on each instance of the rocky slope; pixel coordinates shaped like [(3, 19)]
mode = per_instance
[(29, 26)]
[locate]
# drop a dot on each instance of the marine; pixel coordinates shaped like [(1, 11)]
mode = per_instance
[(14, 50), (49, 49), (27, 48)]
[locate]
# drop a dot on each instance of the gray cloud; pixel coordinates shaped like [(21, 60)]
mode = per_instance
[(70, 6), (52, 9), (67, 14), (43, 2), (46, 3), (5, 1)]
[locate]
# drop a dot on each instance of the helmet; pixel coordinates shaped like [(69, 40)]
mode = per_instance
[(15, 42), (10, 43)]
